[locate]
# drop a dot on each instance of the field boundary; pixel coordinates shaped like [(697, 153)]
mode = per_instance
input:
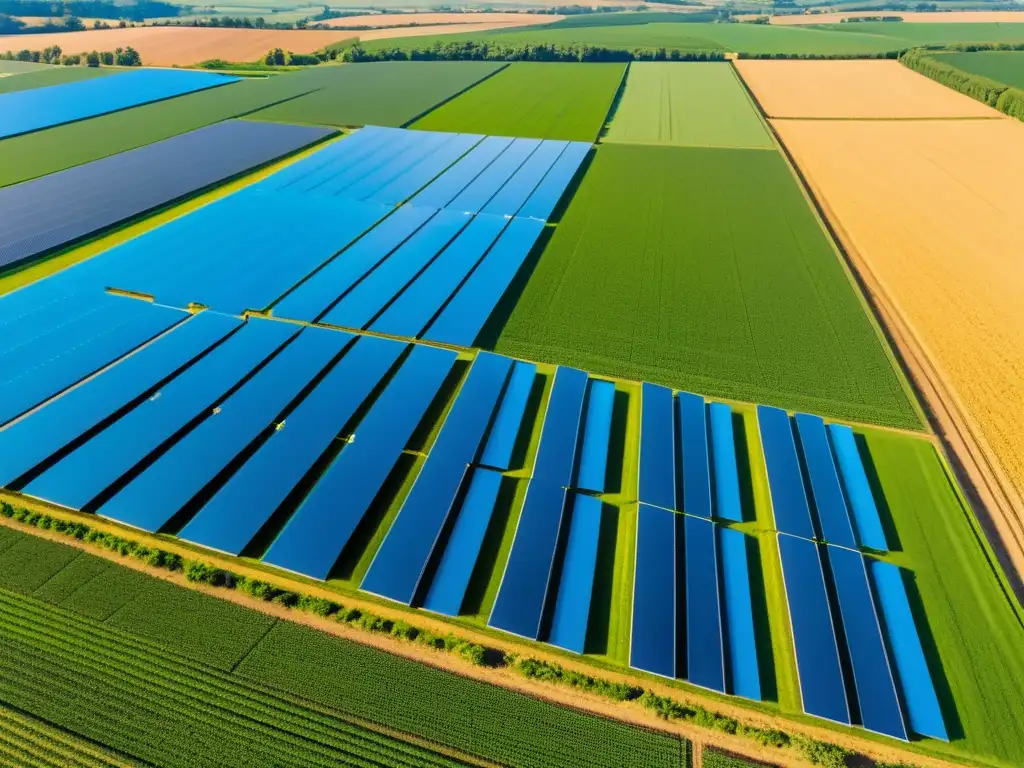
[(454, 96)]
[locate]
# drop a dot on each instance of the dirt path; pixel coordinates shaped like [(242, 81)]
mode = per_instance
[(630, 712)]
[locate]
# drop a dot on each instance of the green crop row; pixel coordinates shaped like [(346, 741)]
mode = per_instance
[(30, 743), (714, 758)]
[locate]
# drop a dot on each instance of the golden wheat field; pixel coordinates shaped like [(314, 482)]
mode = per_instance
[(932, 209), (865, 89)]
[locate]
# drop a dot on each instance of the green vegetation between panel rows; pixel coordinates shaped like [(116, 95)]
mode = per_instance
[(544, 101), (706, 270)]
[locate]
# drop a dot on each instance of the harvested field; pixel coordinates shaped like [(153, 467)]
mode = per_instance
[(1005, 67), (861, 89), (167, 46), (543, 101), (929, 211), (696, 105), (381, 20), (706, 270), (385, 93), (911, 17)]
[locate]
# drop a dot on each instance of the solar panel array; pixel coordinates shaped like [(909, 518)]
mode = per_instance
[(55, 210), (31, 110)]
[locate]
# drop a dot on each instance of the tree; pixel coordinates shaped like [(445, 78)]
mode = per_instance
[(74, 24), (127, 57), (92, 59), (107, 59), (275, 57)]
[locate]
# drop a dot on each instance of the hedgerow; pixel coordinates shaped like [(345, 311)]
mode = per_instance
[(1008, 100)]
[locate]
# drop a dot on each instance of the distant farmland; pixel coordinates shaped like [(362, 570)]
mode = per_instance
[(1005, 67), (697, 105), (706, 270), (543, 101), (386, 93)]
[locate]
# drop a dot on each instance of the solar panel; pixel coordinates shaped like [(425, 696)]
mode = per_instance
[(154, 496), (657, 447), (27, 443), (451, 580), (744, 677), (545, 197), (447, 187), (785, 481), (231, 519), (511, 197), (705, 662), (501, 441), (397, 568), (424, 171), (817, 656), (556, 454), (726, 472), (858, 490), (913, 676), (597, 429), (572, 605), (652, 646), (833, 516), (316, 534), (876, 692), (477, 194), (424, 145), (695, 470)]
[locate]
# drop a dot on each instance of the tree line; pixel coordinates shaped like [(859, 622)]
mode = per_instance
[(121, 57), (1005, 98), (484, 51), (94, 9)]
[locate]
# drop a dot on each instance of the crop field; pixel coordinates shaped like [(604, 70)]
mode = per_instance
[(1002, 66), (543, 101), (26, 741), (52, 76), (853, 89), (942, 255), (904, 36), (696, 105), (705, 270), (135, 689), (387, 93), (713, 758)]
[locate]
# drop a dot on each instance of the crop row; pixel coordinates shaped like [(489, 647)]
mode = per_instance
[(713, 758), (27, 742)]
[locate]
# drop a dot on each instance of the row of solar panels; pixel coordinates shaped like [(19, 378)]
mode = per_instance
[(829, 458), (858, 651), (56, 210), (37, 108)]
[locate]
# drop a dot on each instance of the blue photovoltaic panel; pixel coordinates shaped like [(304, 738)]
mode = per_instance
[(876, 691), (315, 536), (56, 209), (556, 454), (740, 640), (652, 646), (785, 480), (465, 315), (450, 582), (422, 172), (31, 110), (380, 286), (82, 475), (814, 637), (508, 423), (551, 188), (523, 594), (447, 187), (833, 516), (233, 517), (858, 491), (726, 473), (696, 470), (477, 194), (597, 430), (33, 385), (413, 310), (399, 564), (26, 443), (657, 447), (923, 711), (517, 190), (313, 297), (572, 606), (705, 661), (153, 497), (367, 185)]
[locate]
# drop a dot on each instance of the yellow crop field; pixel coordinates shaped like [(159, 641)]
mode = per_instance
[(930, 212), (866, 89)]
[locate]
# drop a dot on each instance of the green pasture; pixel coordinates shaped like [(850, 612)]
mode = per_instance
[(51, 76), (695, 105), (11, 68), (706, 270), (386, 93), (542, 101), (906, 35), (1006, 67)]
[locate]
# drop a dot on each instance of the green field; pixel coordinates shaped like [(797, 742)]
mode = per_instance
[(144, 683), (694, 104), (910, 35), (1006, 67), (26, 741), (713, 758), (541, 101), (17, 67), (387, 93), (51, 76), (705, 269)]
